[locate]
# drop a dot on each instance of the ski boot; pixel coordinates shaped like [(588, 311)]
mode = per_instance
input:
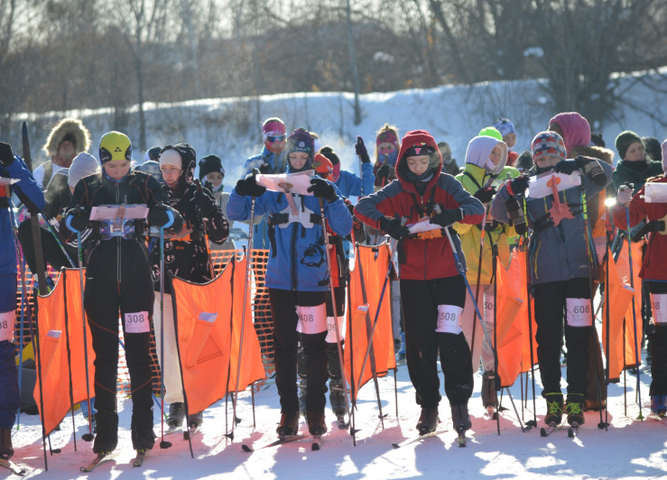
[(489, 396), (428, 420), (107, 436), (400, 356), (143, 438), (338, 400), (6, 447), (289, 424), (460, 417), (316, 423), (575, 408), (554, 408), (176, 415), (659, 405), (195, 420)]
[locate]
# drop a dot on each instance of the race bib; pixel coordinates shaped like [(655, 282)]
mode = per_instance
[(7, 326), (137, 322), (489, 307), (449, 319), (331, 329), (312, 320), (659, 305), (579, 312)]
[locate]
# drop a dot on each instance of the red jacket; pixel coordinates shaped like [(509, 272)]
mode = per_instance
[(424, 259), (654, 263)]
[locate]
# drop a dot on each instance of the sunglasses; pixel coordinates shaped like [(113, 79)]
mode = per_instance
[(275, 138)]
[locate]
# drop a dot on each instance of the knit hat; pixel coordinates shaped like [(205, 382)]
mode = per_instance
[(300, 141), (152, 153), (210, 163), (83, 165), (576, 129), (171, 157), (152, 168), (491, 132), (322, 165), (387, 134), (115, 146), (505, 126), (624, 140), (548, 143), (328, 152), (273, 127), (652, 148)]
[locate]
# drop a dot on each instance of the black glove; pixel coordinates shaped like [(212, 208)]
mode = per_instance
[(566, 167), (265, 169), (162, 216), (360, 148), (519, 185), (592, 169), (6, 154), (447, 217), (248, 187), (323, 189), (77, 219), (515, 212), (383, 171), (393, 228), (485, 195)]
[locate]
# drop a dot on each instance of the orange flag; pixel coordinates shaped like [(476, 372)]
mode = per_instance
[(209, 319), (633, 329), (364, 298)]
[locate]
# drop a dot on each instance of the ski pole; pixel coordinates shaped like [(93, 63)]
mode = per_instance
[(533, 422), (634, 313), (163, 443), (19, 254), (69, 354), (87, 437)]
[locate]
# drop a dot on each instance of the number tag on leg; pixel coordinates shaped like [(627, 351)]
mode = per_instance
[(137, 322), (489, 307), (659, 305), (312, 320), (579, 312), (449, 319), (7, 326), (331, 329)]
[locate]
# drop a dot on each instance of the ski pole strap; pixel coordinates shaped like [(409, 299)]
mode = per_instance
[(659, 226)]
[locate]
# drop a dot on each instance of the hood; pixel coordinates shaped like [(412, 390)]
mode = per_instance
[(189, 161), (576, 130), (411, 139), (70, 129), (479, 149), (600, 153)]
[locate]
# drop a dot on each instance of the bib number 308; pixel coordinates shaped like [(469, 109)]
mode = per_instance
[(137, 322)]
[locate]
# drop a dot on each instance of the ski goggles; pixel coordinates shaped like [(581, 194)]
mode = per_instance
[(275, 138)]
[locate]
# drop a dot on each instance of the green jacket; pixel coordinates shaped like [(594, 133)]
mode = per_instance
[(623, 174)]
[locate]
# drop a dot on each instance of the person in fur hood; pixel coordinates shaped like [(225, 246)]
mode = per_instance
[(66, 140)]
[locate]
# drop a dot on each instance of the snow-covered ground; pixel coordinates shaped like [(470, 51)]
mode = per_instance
[(629, 448)]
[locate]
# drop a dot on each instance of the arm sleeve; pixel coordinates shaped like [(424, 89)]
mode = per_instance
[(473, 209), (217, 227), (338, 216), (26, 189), (498, 209), (367, 177), (371, 208)]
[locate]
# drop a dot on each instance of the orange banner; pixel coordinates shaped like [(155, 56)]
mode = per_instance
[(364, 298), (632, 330), (209, 318)]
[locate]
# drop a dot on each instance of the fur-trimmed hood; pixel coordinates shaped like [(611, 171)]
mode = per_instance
[(600, 153), (71, 129)]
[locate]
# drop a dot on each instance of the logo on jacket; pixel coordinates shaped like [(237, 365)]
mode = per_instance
[(313, 256)]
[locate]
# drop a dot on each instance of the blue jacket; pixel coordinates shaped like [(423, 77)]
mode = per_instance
[(298, 261), (557, 252), (28, 191), (277, 162), (350, 184)]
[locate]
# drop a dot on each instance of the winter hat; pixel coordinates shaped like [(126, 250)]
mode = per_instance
[(184, 157), (505, 126), (664, 155), (152, 168), (525, 161), (115, 146), (300, 141), (152, 153), (652, 148), (480, 148), (624, 140), (490, 132), (83, 165), (210, 163), (171, 157), (548, 143), (387, 134), (418, 142), (328, 152), (322, 165), (597, 140), (68, 129), (576, 131)]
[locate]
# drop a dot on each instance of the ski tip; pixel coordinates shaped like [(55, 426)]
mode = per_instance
[(246, 448), (543, 432), (315, 447), (395, 445)]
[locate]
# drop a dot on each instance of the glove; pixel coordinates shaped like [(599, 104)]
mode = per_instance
[(163, 217), (6, 154), (515, 212), (592, 169), (393, 228), (265, 169), (518, 186), (447, 217), (566, 166), (323, 189), (248, 187), (485, 195), (383, 171), (360, 148), (77, 219), (624, 194)]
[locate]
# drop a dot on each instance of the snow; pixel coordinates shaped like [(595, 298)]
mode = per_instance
[(629, 449)]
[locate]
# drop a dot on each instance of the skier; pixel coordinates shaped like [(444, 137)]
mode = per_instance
[(212, 174), (386, 154), (430, 282), (118, 280), (508, 133), (11, 166), (349, 183), (297, 277), (560, 269), (654, 275), (484, 171), (186, 256)]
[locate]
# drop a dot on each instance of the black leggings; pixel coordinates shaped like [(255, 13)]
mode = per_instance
[(658, 346)]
